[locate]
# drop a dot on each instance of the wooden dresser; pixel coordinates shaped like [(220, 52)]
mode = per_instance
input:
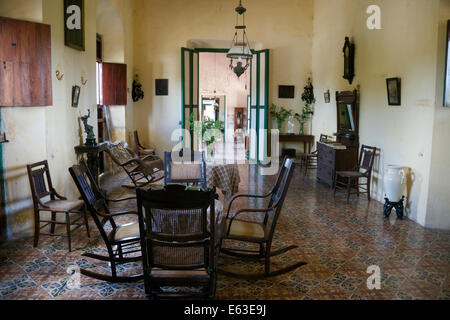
[(331, 159)]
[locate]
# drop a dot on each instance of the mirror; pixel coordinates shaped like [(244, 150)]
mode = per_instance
[(345, 114)]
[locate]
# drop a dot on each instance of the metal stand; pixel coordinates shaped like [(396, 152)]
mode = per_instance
[(398, 206)]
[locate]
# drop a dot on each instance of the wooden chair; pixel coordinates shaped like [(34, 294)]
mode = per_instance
[(191, 170), (178, 243), (38, 173), (141, 170), (350, 179), (309, 160), (121, 240), (140, 149), (260, 233)]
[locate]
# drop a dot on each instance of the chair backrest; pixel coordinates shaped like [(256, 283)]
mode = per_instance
[(190, 167), (92, 197), (278, 194), (323, 138), (120, 153), (367, 158), (174, 228), (40, 181)]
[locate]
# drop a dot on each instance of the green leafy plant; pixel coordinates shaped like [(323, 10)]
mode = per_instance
[(205, 126), (279, 115), (307, 111)]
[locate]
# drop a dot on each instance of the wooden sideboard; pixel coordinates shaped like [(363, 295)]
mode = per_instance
[(306, 139), (331, 159)]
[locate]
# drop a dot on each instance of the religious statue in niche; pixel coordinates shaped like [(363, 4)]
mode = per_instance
[(137, 93), (89, 130), (349, 60)]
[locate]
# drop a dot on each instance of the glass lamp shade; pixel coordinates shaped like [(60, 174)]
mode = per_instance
[(240, 50)]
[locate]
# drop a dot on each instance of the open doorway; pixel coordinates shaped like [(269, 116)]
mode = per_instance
[(224, 97)]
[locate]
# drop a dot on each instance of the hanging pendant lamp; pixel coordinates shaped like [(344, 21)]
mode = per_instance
[(240, 48)]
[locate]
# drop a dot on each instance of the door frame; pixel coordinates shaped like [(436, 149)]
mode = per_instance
[(266, 75)]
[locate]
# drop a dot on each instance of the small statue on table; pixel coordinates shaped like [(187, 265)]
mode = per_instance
[(90, 136)]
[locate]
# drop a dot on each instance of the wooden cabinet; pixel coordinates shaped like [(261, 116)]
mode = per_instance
[(330, 160), (25, 63), (113, 77)]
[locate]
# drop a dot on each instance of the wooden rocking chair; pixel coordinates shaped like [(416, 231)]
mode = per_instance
[(121, 241), (260, 232), (141, 170)]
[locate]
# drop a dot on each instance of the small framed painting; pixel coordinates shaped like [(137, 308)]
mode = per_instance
[(394, 92), (447, 69), (75, 96), (327, 96), (74, 24), (162, 87)]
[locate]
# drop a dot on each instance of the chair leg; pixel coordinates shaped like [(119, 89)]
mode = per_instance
[(86, 222), (36, 227), (267, 261), (69, 237), (357, 187), (306, 165), (368, 189), (53, 218), (335, 185), (349, 186)]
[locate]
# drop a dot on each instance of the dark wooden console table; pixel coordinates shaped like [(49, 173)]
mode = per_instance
[(92, 156), (330, 160), (306, 139)]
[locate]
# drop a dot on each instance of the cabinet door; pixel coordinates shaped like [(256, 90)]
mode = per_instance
[(25, 62), (114, 84)]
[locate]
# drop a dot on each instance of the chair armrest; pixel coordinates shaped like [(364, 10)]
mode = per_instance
[(245, 196), (137, 160), (246, 210), (58, 195), (150, 157), (121, 199)]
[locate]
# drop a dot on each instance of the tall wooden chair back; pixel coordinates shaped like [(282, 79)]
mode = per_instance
[(367, 158), (40, 182), (279, 191), (119, 238), (191, 169), (177, 243)]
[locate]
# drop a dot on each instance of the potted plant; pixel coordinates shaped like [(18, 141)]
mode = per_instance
[(279, 115), (307, 112), (204, 129)]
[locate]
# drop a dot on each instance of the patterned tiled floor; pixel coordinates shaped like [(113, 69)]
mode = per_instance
[(338, 240)]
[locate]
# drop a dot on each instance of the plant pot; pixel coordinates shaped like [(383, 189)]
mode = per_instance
[(394, 180)]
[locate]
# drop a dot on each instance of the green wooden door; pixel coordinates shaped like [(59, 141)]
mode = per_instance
[(189, 92), (259, 106)]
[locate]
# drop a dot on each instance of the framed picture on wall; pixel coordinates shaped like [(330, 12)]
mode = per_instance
[(394, 92), (447, 69), (75, 96), (74, 24)]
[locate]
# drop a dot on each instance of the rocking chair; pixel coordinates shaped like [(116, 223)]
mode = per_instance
[(121, 241), (141, 170), (260, 233)]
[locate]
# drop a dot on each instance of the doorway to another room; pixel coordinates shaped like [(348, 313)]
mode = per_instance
[(224, 98)]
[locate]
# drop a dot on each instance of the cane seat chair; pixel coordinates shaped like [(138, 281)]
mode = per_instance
[(350, 179), (260, 233), (141, 170), (190, 169), (46, 199), (122, 241), (140, 149), (309, 160), (179, 246)]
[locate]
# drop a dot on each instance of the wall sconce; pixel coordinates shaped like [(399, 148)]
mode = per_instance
[(59, 75), (83, 81)]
